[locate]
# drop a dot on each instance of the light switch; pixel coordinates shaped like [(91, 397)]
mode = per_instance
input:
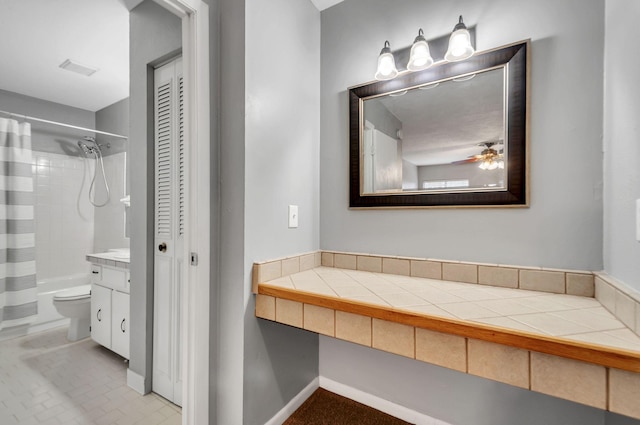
[(293, 216), (638, 220)]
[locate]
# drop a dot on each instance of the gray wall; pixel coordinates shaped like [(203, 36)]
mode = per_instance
[(114, 119), (282, 146), (622, 150), (383, 120), (47, 137), (269, 145), (154, 34), (449, 395), (563, 226)]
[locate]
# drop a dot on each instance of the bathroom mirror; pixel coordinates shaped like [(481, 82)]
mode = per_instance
[(453, 135)]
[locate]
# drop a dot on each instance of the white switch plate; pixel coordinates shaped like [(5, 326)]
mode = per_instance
[(293, 216), (638, 220)]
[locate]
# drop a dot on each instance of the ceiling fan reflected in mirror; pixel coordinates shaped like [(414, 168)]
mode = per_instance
[(490, 158)]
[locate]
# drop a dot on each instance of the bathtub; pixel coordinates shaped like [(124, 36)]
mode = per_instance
[(48, 317)]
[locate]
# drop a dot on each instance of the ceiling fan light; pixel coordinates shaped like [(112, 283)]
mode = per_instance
[(386, 64), (459, 43), (420, 56)]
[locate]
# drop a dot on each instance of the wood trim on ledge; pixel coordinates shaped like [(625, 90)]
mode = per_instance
[(590, 353)]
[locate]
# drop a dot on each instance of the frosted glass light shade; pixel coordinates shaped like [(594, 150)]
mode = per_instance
[(420, 57), (386, 64), (459, 44)]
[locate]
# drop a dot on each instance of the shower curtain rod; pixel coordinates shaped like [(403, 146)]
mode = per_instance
[(26, 117)]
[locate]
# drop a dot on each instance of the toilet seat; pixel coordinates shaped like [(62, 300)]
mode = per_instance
[(73, 294)]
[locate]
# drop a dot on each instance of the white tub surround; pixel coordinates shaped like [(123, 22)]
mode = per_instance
[(543, 340), (110, 283)]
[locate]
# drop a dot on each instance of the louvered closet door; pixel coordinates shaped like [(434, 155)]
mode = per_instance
[(169, 230)]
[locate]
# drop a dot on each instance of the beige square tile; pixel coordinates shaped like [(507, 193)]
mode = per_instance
[(289, 312), (569, 379), (326, 259), (394, 338), (265, 307), (402, 299), (269, 271), (498, 362), (290, 266), (637, 328), (624, 392), (498, 276), (345, 261), (317, 258), (353, 328), (441, 349), (605, 294), (507, 307), (625, 309), (428, 269), (456, 272), (396, 266), (580, 284), (550, 324), (369, 264), (592, 318), (468, 310), (319, 319), (545, 281), (307, 262)]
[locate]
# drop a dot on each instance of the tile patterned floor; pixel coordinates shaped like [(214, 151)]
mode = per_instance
[(566, 316), (45, 379)]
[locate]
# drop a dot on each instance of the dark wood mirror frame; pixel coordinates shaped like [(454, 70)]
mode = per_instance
[(515, 56)]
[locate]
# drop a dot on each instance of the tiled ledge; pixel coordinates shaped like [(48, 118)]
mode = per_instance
[(597, 376), (95, 259), (558, 281), (621, 301)]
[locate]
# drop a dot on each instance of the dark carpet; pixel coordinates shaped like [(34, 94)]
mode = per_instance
[(327, 408)]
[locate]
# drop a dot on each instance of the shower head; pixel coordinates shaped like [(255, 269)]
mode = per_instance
[(84, 145), (85, 148)]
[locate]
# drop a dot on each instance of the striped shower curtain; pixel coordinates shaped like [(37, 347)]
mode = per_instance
[(18, 290)]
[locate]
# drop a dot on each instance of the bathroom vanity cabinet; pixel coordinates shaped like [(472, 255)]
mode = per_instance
[(110, 308)]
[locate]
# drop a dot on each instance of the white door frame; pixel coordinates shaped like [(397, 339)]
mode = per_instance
[(195, 302)]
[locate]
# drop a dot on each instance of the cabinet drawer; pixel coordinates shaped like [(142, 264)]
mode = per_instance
[(114, 278), (96, 273)]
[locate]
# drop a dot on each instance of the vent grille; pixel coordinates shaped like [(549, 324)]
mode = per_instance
[(181, 157), (163, 159)]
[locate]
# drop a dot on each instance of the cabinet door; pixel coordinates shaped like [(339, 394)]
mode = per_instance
[(120, 323), (101, 315)]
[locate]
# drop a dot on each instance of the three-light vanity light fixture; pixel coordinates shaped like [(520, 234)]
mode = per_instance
[(460, 48)]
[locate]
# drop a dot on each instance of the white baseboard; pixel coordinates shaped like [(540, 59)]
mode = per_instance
[(378, 403), (293, 405), (135, 382)]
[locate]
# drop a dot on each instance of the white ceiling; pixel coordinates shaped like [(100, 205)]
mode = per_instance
[(450, 121), (38, 35)]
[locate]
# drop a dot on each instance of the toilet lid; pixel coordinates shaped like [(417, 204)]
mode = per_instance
[(76, 293)]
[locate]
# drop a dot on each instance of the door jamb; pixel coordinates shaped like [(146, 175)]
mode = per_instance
[(195, 308)]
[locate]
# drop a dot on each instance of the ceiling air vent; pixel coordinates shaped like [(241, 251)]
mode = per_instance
[(72, 66)]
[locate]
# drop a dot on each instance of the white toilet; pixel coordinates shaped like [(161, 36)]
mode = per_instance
[(75, 303)]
